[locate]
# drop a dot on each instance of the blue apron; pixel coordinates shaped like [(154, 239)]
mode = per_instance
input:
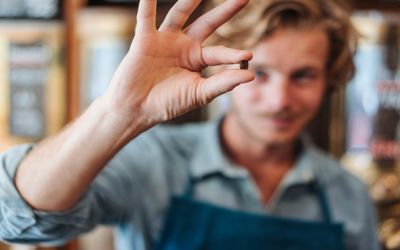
[(190, 224)]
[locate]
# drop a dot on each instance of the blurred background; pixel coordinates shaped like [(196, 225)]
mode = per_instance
[(56, 56)]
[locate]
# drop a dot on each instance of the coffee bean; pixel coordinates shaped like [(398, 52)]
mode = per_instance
[(244, 64)]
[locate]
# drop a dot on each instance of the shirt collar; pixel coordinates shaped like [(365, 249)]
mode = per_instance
[(303, 171), (210, 158)]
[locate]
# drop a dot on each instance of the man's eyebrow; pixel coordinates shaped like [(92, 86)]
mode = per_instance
[(306, 68)]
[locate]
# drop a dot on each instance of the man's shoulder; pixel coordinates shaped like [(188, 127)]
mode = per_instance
[(334, 175), (189, 133)]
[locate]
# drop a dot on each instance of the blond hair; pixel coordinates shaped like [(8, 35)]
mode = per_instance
[(260, 18)]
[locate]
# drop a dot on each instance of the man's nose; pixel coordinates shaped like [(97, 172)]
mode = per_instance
[(278, 96)]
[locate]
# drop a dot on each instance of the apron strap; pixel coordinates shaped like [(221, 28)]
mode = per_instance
[(189, 188), (323, 202)]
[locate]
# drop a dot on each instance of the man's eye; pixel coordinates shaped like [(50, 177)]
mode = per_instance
[(260, 74), (303, 76)]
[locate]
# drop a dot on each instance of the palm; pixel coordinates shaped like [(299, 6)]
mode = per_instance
[(173, 89), (160, 75)]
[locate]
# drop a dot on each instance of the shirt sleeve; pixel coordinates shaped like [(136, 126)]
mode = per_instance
[(19, 223), (114, 192)]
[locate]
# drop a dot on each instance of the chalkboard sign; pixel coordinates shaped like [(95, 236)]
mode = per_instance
[(30, 9), (28, 75)]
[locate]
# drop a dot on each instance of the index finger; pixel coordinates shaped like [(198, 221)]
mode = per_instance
[(146, 16), (210, 21), (179, 14)]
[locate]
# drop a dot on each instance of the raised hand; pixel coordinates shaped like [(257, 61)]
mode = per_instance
[(160, 77)]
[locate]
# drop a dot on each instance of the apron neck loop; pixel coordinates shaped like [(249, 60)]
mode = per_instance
[(320, 192), (188, 193)]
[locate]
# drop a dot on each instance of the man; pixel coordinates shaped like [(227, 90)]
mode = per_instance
[(245, 181)]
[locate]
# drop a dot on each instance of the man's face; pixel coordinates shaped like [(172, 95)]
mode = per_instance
[(289, 85)]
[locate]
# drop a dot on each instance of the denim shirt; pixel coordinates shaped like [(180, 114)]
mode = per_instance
[(134, 190)]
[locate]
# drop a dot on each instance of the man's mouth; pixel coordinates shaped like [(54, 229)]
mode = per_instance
[(280, 122)]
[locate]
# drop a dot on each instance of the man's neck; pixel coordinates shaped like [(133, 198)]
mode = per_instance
[(266, 163)]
